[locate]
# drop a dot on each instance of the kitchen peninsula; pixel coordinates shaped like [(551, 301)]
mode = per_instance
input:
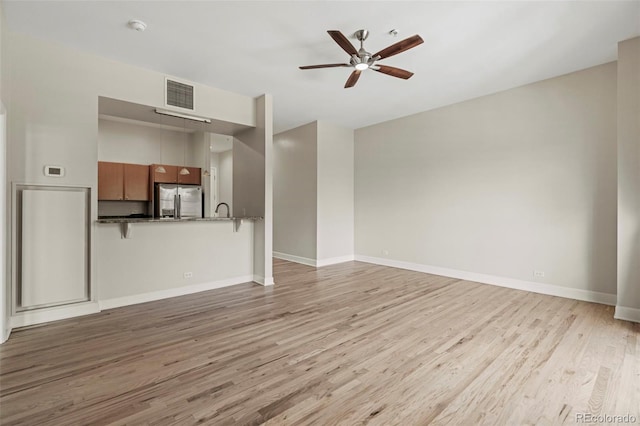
[(167, 255)]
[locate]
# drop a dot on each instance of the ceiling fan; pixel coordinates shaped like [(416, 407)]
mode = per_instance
[(362, 60)]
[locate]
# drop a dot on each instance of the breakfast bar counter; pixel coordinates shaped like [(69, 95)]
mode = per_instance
[(125, 222), (170, 219)]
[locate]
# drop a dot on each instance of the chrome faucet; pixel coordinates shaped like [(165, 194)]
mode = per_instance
[(223, 204)]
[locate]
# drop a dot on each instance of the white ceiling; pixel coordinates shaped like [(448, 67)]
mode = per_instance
[(471, 48)]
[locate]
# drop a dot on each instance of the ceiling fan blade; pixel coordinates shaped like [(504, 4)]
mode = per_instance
[(400, 47), (393, 71), (343, 42), (310, 67), (353, 79)]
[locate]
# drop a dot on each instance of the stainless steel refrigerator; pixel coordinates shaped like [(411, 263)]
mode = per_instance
[(178, 201)]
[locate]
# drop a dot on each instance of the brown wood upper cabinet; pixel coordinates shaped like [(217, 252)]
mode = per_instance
[(121, 181), (172, 174), (169, 175), (193, 178), (136, 182), (110, 181)]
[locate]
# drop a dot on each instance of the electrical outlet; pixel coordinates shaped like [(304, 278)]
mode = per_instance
[(188, 274), (385, 252), (538, 274)]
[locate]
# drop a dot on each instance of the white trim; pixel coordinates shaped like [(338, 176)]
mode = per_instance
[(38, 316), (313, 262), (534, 287), (334, 260), (5, 232), (172, 292), (296, 259), (263, 281), (627, 314), (5, 334)]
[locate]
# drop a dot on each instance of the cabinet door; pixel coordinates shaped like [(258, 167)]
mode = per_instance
[(136, 182), (110, 181), (170, 174), (193, 178)]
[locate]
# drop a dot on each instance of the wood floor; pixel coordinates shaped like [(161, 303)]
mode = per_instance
[(347, 344)]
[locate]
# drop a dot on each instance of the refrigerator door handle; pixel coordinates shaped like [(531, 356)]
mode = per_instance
[(179, 206)]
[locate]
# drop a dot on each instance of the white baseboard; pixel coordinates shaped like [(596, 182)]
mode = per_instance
[(262, 280), (313, 262), (5, 335), (39, 316), (172, 292), (534, 287), (334, 260), (627, 314), (296, 259)]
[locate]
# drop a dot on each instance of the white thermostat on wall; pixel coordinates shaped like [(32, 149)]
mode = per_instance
[(54, 171)]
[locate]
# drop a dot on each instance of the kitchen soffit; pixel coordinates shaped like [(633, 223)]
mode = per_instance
[(129, 111)]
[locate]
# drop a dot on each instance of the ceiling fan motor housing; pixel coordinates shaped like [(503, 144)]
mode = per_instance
[(363, 57)]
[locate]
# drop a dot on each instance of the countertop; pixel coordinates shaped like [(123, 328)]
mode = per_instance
[(171, 220)]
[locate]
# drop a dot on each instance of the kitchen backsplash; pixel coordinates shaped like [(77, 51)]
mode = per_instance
[(121, 208)]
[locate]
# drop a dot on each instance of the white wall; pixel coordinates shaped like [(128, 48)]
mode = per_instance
[(213, 184), (335, 225), (501, 185), (144, 144), (225, 181), (2, 39), (212, 251), (264, 123), (197, 150), (313, 194), (221, 147), (52, 108), (253, 183), (628, 304), (295, 182)]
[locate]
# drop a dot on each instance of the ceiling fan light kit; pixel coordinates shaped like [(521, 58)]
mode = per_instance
[(362, 60)]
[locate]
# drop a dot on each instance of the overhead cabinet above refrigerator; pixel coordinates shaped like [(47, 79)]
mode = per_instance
[(165, 173)]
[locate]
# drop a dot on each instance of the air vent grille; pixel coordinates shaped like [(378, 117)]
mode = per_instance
[(179, 94)]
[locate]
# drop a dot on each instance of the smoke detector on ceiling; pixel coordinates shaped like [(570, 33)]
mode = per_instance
[(136, 24)]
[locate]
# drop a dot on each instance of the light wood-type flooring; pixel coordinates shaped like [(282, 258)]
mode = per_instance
[(346, 344)]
